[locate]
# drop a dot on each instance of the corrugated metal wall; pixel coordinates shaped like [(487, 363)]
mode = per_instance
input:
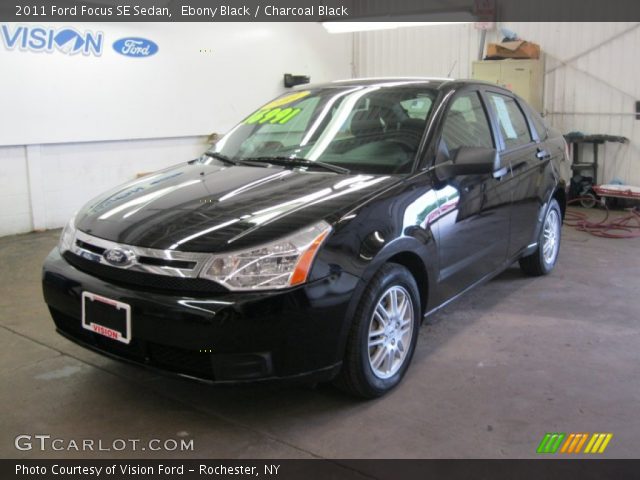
[(592, 75), (417, 51)]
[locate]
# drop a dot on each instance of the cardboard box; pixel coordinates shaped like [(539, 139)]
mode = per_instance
[(517, 49)]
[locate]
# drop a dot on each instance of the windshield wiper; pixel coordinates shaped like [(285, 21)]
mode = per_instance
[(233, 161), (297, 162), (223, 158)]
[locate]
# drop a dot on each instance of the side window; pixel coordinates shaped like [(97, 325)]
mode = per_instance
[(512, 121), (466, 123), (539, 124)]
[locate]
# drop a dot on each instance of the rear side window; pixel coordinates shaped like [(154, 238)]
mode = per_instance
[(466, 123), (538, 124), (511, 120)]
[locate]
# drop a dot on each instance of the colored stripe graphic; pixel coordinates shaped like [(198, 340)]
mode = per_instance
[(581, 443), (543, 443), (550, 442), (567, 443), (573, 443), (598, 442)]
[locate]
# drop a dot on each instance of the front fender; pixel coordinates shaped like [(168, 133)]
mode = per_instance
[(418, 255), (399, 226)]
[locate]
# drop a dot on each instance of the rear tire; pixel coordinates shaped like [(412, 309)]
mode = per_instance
[(542, 261), (383, 335)]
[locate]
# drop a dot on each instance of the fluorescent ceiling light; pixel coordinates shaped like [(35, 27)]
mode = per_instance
[(346, 27)]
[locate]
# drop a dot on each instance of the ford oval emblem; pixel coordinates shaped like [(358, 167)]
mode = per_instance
[(135, 47), (119, 257)]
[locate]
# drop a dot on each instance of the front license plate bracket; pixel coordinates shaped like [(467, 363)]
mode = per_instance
[(107, 317)]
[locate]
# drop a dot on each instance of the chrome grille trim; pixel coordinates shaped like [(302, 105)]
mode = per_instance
[(89, 245)]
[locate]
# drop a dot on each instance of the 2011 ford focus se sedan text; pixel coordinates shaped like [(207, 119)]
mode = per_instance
[(309, 242)]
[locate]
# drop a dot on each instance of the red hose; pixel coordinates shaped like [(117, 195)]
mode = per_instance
[(623, 227)]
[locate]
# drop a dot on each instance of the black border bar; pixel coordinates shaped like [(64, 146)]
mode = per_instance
[(318, 10), (533, 469)]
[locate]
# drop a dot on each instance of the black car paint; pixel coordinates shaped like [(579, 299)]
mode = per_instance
[(192, 200), (451, 233)]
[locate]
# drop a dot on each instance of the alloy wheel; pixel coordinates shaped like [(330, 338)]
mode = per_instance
[(390, 332), (551, 234)]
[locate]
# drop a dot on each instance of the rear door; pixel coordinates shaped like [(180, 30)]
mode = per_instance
[(527, 160)]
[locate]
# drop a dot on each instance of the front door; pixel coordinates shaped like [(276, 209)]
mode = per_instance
[(474, 228)]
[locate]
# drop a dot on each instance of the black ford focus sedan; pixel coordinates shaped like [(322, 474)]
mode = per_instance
[(312, 239)]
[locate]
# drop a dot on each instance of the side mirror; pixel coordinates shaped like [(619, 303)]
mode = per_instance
[(472, 161)]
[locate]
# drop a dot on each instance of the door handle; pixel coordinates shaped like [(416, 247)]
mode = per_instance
[(543, 154)]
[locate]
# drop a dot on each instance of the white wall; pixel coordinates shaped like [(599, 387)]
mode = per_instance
[(592, 73), (434, 51), (42, 185), (74, 126), (15, 205), (205, 76), (596, 92)]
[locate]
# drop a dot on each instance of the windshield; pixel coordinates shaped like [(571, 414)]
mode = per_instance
[(372, 129)]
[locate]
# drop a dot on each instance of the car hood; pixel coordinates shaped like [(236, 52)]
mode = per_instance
[(212, 208)]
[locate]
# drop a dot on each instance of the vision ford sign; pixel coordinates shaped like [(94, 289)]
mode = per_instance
[(66, 40), (135, 47)]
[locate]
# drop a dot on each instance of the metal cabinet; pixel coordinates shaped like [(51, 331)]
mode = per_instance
[(523, 77)]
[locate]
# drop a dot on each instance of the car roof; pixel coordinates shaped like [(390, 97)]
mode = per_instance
[(435, 82)]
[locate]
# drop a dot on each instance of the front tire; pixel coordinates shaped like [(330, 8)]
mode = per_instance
[(383, 335), (542, 261)]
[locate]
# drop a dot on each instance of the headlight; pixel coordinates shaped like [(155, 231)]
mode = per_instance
[(280, 264), (68, 236)]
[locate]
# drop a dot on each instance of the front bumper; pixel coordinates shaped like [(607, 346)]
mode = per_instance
[(224, 337)]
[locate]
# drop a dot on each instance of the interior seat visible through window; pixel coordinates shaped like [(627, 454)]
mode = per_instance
[(466, 124)]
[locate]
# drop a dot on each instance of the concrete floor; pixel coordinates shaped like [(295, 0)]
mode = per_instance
[(493, 372)]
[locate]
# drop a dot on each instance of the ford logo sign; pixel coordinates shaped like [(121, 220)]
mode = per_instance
[(135, 47), (119, 257)]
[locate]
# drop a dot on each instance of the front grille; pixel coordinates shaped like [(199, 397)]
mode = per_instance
[(149, 281), (90, 247), (158, 262), (161, 262)]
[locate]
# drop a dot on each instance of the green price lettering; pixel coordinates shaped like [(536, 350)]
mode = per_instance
[(273, 115)]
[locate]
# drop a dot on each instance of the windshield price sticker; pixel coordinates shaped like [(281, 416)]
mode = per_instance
[(292, 97), (273, 115)]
